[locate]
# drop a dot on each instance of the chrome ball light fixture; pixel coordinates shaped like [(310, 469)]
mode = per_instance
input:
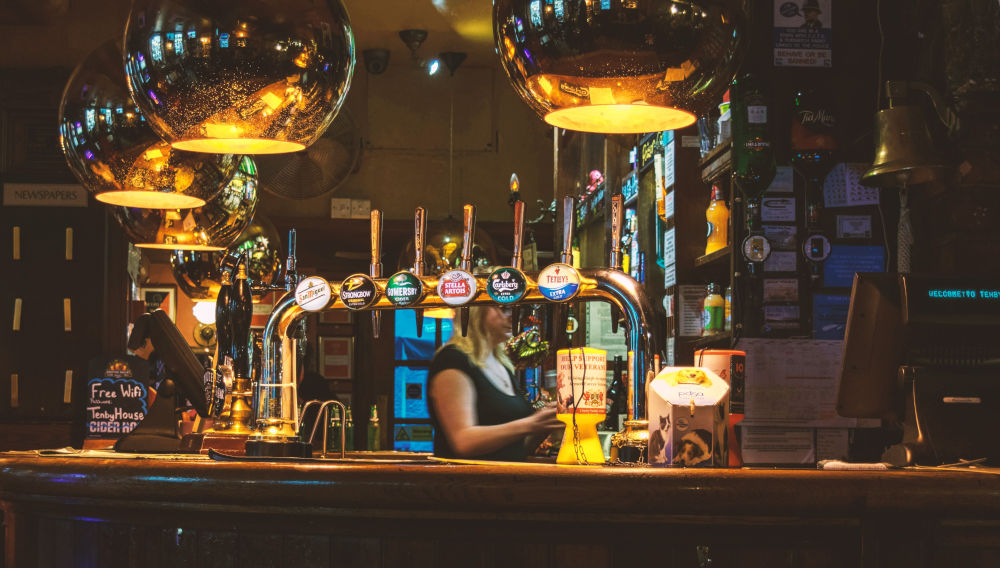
[(239, 76), (628, 66)]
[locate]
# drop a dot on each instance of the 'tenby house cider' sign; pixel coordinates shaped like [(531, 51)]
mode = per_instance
[(117, 402)]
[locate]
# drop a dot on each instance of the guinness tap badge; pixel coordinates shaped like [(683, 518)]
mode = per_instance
[(506, 285), (404, 289), (313, 294), (457, 287), (358, 292), (558, 282)]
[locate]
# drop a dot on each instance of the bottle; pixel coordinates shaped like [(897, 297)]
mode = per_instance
[(717, 216), (241, 312), (348, 431), (725, 119), (223, 344), (753, 157), (729, 308), (333, 430), (616, 399), (713, 311), (660, 180), (374, 431), (813, 135)]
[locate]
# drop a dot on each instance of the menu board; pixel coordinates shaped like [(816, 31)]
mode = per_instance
[(118, 398)]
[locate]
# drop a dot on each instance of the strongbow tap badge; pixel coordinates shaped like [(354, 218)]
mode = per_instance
[(558, 282), (456, 287), (358, 292)]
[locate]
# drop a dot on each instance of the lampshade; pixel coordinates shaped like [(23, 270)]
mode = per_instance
[(620, 67), (115, 154), (199, 273), (213, 226), (443, 248), (241, 76)]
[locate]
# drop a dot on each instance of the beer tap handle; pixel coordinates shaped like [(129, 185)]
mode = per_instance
[(375, 268), (419, 234), (291, 276), (617, 215), (468, 230), (517, 260), (569, 204)]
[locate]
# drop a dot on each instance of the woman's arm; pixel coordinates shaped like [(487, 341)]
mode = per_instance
[(454, 398)]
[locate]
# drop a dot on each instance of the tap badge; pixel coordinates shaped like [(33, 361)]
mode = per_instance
[(313, 294), (358, 292), (457, 287), (559, 282), (506, 285), (404, 289)]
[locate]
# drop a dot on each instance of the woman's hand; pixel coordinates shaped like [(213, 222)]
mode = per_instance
[(544, 420)]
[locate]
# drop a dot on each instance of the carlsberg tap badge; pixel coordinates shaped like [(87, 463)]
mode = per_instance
[(506, 285)]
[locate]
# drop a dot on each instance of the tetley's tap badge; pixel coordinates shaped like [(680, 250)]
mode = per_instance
[(506, 285), (358, 292), (558, 282), (456, 287)]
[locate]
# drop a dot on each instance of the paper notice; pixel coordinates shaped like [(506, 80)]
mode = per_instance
[(690, 302), (781, 261), (763, 445), (777, 209), (781, 290)]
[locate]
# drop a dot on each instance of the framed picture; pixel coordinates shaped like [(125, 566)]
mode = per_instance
[(335, 317), (336, 357), (162, 296)]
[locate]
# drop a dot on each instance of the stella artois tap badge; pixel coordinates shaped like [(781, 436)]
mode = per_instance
[(506, 285), (313, 294), (404, 289), (559, 282), (457, 287), (359, 292)]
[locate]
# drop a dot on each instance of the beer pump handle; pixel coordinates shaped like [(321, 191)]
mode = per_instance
[(291, 276), (617, 216), (419, 234), (375, 268), (517, 260), (468, 230), (569, 204)]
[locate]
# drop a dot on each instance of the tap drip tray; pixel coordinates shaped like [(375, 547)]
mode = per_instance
[(407, 458), (291, 448)]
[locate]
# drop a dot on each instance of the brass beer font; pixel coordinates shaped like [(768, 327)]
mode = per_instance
[(375, 268)]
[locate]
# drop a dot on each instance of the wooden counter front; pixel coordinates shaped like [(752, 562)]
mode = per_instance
[(75, 511)]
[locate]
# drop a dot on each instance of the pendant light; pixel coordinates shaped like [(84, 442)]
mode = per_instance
[(112, 150), (239, 76), (620, 67), (213, 226), (199, 273)]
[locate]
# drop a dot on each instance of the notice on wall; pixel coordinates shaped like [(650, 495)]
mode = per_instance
[(782, 237), (781, 261), (845, 260), (854, 226), (118, 398), (784, 180), (781, 290), (830, 315), (690, 300), (842, 187), (781, 209), (803, 33)]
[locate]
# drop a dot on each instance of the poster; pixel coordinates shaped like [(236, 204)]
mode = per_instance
[(803, 33)]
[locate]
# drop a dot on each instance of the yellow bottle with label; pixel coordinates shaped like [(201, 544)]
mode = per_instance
[(581, 381), (717, 216)]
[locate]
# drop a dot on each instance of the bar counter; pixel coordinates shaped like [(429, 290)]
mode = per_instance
[(146, 512)]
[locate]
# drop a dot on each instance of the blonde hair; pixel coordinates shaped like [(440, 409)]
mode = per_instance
[(476, 343)]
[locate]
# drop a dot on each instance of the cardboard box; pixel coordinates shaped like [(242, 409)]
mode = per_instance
[(688, 413)]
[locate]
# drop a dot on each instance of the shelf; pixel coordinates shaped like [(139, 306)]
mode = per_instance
[(713, 258), (700, 342), (716, 162)]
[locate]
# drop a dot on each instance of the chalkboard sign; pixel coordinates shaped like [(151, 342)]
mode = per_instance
[(118, 397)]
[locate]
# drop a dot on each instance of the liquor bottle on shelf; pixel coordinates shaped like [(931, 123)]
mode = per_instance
[(713, 311), (717, 216), (333, 429), (753, 157), (348, 431), (223, 364), (374, 431), (729, 309), (813, 145), (240, 313)]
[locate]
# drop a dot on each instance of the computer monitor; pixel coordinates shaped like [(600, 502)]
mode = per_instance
[(158, 430), (925, 351)]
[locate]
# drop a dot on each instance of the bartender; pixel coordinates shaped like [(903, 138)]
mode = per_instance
[(474, 407)]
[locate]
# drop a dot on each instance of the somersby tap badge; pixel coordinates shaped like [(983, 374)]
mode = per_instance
[(404, 289)]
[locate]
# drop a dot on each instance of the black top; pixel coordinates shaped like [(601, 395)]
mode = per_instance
[(492, 405)]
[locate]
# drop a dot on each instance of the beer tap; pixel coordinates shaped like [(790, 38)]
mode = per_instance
[(419, 234), (517, 258), (375, 268), (291, 275), (615, 262), (559, 282), (468, 230), (569, 204)]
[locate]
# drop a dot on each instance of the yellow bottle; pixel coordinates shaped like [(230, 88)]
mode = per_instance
[(581, 380), (717, 216)]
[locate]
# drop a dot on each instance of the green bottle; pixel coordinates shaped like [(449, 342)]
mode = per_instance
[(333, 431), (374, 437), (349, 431)]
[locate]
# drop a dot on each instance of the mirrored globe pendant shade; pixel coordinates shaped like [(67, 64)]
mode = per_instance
[(443, 249), (213, 226), (239, 76), (621, 67), (199, 273), (111, 149)]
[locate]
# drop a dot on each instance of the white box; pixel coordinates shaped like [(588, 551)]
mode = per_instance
[(340, 208), (361, 208)]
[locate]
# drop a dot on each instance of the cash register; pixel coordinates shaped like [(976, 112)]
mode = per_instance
[(924, 352)]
